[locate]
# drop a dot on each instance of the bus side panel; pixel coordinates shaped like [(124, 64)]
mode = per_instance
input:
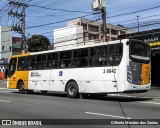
[(12, 82), (60, 77), (39, 80), (19, 75), (102, 79), (23, 75)]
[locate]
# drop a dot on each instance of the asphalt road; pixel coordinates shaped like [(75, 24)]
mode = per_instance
[(55, 106)]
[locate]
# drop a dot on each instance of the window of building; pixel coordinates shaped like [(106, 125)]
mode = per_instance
[(2, 48), (113, 32)]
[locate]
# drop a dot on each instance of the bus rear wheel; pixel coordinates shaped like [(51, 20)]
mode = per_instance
[(21, 87), (72, 90)]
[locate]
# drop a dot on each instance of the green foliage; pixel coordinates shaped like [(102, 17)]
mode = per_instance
[(38, 43)]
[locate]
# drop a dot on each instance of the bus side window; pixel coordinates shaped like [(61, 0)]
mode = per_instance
[(49, 60), (52, 60), (112, 54), (92, 59), (118, 55), (115, 54), (44, 63), (22, 63), (31, 62), (101, 56), (65, 59), (38, 62), (84, 58), (12, 66), (80, 58)]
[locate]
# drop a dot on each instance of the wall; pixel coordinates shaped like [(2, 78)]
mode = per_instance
[(5, 42), (68, 36)]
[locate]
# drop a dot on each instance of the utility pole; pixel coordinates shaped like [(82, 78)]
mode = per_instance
[(104, 26), (138, 22), (18, 14), (100, 5)]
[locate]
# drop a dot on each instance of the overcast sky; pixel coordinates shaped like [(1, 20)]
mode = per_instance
[(147, 10)]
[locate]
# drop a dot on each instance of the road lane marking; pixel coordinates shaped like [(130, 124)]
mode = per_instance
[(5, 101), (121, 117), (150, 103)]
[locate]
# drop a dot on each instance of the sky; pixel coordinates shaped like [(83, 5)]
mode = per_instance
[(57, 12)]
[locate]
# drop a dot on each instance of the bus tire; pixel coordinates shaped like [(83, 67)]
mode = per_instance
[(72, 89), (21, 87)]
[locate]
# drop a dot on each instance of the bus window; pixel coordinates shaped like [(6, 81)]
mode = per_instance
[(22, 63), (65, 59), (38, 62), (92, 57), (118, 54), (115, 54), (12, 66), (52, 60), (31, 62), (100, 56), (139, 52), (44, 64), (80, 58)]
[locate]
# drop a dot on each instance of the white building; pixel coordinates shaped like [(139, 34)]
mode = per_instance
[(83, 31), (5, 47), (5, 42), (68, 36), (92, 30)]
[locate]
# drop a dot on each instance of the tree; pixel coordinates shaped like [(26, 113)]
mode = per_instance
[(38, 43)]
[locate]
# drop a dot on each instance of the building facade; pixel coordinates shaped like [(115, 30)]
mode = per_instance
[(5, 42), (16, 45), (5, 49), (92, 30)]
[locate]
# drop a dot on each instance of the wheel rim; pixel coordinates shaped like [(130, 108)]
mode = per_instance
[(72, 90), (21, 88)]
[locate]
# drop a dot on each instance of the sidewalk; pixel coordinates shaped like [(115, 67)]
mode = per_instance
[(153, 93)]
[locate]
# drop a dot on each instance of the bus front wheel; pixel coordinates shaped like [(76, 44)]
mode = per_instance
[(72, 89), (21, 87)]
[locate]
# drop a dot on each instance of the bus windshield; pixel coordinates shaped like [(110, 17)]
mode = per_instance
[(12, 66), (139, 52)]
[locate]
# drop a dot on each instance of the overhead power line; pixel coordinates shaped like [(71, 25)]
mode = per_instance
[(133, 12), (59, 21), (58, 9)]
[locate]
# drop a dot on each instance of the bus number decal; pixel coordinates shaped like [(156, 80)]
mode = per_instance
[(109, 70)]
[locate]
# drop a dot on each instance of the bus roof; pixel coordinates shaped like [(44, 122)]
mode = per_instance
[(81, 45), (84, 45)]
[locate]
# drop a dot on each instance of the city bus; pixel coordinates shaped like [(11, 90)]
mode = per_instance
[(99, 68)]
